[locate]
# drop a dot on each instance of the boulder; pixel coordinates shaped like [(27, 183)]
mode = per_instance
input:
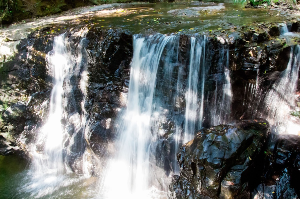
[(222, 161)]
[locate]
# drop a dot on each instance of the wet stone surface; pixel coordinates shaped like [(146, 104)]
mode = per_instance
[(221, 161)]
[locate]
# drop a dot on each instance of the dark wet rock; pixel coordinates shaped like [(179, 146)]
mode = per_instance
[(274, 31), (221, 161), (296, 27), (11, 125), (280, 179), (250, 164), (109, 55), (9, 147), (14, 112)]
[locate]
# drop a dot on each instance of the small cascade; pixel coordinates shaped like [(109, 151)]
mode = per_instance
[(76, 92), (61, 147), (221, 106), (194, 110), (280, 100), (129, 169), (283, 29), (52, 131), (166, 107), (48, 165)]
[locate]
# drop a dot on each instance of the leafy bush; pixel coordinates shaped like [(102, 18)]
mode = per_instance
[(259, 2)]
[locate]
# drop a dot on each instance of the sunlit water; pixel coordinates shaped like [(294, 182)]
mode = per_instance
[(47, 162), (129, 170), (49, 174), (220, 107), (280, 100), (194, 103)]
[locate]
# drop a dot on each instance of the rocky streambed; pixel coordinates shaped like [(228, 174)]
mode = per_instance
[(241, 159)]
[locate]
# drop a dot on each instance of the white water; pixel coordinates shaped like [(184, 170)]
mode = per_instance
[(129, 171), (192, 103), (221, 107), (49, 174), (280, 101), (77, 117), (48, 165), (283, 28)]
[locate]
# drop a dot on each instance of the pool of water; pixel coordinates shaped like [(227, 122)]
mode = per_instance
[(192, 17), (16, 181), (12, 169)]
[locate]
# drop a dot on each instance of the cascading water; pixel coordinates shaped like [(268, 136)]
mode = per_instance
[(192, 117), (221, 107), (142, 147), (76, 92), (283, 29), (48, 165), (280, 100), (60, 143), (129, 170)]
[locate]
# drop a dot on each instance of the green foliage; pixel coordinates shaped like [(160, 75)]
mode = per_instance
[(259, 2), (17, 10), (8, 8), (240, 1), (296, 114)]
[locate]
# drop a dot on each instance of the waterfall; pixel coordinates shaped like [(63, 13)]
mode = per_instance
[(283, 28), (222, 97), (76, 92), (192, 103), (159, 117), (48, 165), (58, 143), (129, 169), (280, 100), (52, 131)]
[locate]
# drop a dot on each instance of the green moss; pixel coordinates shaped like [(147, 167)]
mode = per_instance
[(296, 114)]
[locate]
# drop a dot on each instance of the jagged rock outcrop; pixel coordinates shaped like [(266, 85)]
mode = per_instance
[(110, 54), (238, 161), (222, 161)]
